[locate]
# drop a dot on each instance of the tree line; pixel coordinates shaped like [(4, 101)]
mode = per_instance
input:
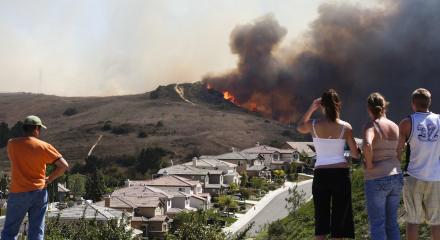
[(7, 133)]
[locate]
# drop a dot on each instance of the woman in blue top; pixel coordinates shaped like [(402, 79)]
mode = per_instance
[(331, 184)]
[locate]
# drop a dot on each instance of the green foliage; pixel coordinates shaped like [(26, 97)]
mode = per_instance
[(150, 159), (122, 129), (4, 185), (86, 230), (227, 203), (197, 225), (107, 126), (70, 112), (16, 130), (245, 193), (295, 200), (76, 183), (244, 180), (142, 134), (95, 186), (159, 124), (4, 134), (233, 188)]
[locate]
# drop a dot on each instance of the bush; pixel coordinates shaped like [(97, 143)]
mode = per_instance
[(107, 126), (142, 134), (70, 112), (85, 230), (122, 129)]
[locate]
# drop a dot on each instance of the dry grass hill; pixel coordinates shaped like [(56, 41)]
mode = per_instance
[(196, 120)]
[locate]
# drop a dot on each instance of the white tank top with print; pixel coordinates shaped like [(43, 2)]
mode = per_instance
[(424, 143)]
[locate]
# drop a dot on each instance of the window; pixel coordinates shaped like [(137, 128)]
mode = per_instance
[(181, 189)]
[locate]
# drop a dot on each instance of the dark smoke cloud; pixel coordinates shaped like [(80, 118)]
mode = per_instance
[(355, 50)]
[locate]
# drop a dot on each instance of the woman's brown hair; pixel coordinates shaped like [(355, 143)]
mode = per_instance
[(377, 104), (332, 104)]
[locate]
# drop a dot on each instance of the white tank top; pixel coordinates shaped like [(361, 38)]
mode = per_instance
[(424, 144), (328, 150)]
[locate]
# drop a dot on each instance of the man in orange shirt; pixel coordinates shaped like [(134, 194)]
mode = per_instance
[(27, 194)]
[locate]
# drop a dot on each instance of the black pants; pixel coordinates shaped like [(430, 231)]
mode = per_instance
[(332, 199)]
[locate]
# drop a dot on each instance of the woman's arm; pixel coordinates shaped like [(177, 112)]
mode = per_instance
[(368, 145), (305, 125), (351, 142)]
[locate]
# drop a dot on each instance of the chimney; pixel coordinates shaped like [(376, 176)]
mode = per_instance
[(233, 149), (107, 201), (195, 162), (258, 144)]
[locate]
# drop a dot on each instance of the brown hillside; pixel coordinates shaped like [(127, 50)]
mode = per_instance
[(210, 126)]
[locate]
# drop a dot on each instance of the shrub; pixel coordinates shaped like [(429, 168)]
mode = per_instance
[(107, 126), (70, 112), (142, 134), (122, 129)]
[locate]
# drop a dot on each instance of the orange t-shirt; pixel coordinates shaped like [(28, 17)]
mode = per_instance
[(29, 156)]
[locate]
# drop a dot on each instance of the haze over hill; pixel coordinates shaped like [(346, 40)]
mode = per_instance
[(200, 122)]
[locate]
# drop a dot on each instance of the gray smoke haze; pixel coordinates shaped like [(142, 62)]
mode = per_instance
[(353, 49)]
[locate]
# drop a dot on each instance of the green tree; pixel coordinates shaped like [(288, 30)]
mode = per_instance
[(4, 185), (295, 199), (195, 226), (95, 186), (77, 184), (150, 159), (4, 134), (233, 188), (244, 180), (16, 130), (279, 174), (227, 202), (84, 229)]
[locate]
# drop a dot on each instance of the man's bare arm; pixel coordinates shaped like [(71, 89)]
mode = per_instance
[(61, 166), (404, 132)]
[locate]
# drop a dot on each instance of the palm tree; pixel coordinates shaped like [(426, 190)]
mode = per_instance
[(227, 202)]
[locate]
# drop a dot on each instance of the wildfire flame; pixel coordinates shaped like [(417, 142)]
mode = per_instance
[(228, 96)]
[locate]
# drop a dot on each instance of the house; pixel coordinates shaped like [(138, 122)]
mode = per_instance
[(229, 170), (241, 159), (274, 158), (171, 183), (302, 148), (148, 213), (259, 171), (212, 181)]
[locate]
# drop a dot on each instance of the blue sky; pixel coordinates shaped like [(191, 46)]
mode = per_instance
[(112, 47)]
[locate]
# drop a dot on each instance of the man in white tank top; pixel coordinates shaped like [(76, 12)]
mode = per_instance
[(421, 192)]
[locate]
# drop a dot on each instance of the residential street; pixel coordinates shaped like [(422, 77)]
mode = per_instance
[(269, 209)]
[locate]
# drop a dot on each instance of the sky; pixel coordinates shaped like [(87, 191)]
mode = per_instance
[(115, 47)]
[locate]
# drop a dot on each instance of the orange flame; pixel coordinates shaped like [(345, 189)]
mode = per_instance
[(228, 96)]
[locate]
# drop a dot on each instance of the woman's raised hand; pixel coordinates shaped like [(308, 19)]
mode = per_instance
[(315, 104)]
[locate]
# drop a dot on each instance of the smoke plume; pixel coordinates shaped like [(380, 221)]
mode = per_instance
[(356, 50)]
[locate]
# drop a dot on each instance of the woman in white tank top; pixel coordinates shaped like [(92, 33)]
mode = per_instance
[(331, 184)]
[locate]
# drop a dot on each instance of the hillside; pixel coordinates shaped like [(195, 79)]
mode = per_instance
[(202, 121)]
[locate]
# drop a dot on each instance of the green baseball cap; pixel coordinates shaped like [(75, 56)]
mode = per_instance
[(33, 120)]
